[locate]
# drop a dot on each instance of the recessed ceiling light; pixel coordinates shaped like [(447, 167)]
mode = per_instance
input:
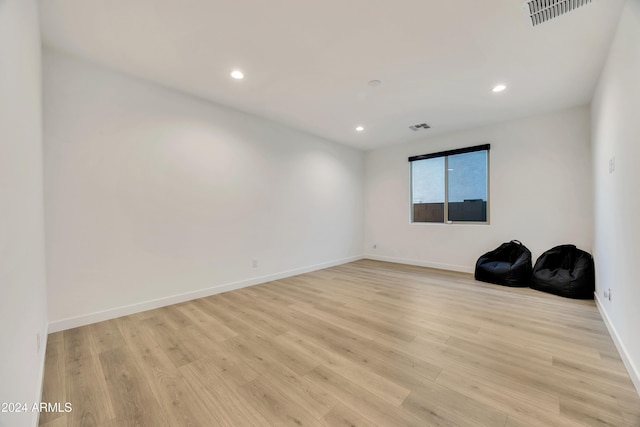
[(359, 128), (499, 88), (237, 74)]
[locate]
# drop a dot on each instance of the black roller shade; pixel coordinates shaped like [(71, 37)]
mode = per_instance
[(484, 147)]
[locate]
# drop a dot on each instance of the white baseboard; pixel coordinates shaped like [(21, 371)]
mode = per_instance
[(449, 267), (74, 322), (633, 371)]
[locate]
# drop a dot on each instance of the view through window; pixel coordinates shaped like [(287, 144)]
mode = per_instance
[(451, 186)]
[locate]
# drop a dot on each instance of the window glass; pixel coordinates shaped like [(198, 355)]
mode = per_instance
[(467, 187), (428, 190), (450, 186)]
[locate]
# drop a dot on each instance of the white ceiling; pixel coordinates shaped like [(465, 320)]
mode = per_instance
[(307, 63)]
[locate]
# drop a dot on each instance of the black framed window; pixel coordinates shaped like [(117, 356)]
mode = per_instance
[(451, 186)]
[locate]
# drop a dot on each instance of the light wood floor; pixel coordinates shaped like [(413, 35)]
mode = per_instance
[(363, 344)]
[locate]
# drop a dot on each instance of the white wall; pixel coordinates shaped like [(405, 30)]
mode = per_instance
[(151, 194), (22, 267), (540, 193), (616, 133)]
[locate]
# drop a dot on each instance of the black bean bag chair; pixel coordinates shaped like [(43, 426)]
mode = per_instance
[(566, 271), (509, 265)]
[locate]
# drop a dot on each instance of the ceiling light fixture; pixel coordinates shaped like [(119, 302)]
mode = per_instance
[(359, 129), (237, 74), (499, 88)]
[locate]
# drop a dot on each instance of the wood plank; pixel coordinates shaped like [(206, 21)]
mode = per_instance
[(219, 395), (363, 376), (54, 389), (209, 325), (85, 384), (275, 405), (361, 400), (173, 342), (164, 380), (129, 391), (588, 414), (434, 414), (343, 416), (106, 336), (538, 409)]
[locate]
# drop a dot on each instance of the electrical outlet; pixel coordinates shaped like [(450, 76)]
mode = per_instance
[(609, 294), (254, 263)]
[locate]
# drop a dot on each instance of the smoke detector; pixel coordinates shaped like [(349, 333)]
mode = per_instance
[(540, 11), (416, 128)]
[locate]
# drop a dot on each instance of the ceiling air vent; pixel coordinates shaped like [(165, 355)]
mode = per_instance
[(416, 128), (540, 11)]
